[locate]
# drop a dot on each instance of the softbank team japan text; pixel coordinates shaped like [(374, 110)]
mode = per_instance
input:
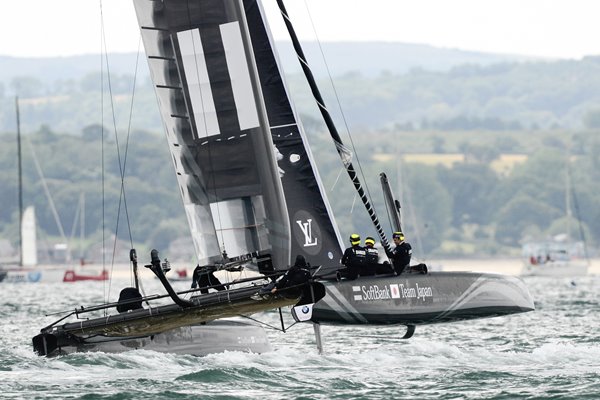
[(393, 291)]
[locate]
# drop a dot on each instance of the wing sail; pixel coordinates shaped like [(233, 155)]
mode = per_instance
[(246, 174)]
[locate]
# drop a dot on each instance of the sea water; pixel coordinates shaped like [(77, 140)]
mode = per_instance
[(550, 353)]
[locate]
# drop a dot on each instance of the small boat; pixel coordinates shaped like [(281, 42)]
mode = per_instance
[(555, 258), (74, 276), (559, 255)]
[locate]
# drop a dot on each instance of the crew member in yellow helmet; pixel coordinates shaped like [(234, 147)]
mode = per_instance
[(372, 257), (401, 254), (353, 258)]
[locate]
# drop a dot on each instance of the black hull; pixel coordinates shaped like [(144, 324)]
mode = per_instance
[(154, 320), (144, 323), (415, 299), (196, 340)]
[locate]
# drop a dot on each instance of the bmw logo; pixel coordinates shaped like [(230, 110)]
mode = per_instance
[(305, 310)]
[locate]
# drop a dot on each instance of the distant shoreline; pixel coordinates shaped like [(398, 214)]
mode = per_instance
[(507, 266)]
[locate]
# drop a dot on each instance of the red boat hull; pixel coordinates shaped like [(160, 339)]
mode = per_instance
[(72, 276)]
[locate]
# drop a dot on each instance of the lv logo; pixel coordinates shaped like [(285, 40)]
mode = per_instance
[(306, 228)]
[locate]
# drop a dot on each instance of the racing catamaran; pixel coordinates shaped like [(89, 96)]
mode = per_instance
[(246, 171), (253, 196)]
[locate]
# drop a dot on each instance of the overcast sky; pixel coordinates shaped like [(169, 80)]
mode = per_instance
[(546, 28)]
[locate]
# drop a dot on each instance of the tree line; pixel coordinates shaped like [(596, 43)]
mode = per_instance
[(467, 208), (506, 96)]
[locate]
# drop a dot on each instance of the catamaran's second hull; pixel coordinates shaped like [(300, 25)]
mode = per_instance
[(140, 324), (197, 340), (413, 299)]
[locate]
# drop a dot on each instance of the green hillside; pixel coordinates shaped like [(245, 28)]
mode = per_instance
[(478, 153), (454, 204)]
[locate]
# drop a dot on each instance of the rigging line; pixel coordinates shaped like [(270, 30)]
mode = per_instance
[(47, 192), (339, 103), (76, 219), (81, 224), (261, 323), (204, 117), (121, 164), (410, 204), (343, 152), (122, 194), (336, 179), (579, 222), (102, 154), (20, 178), (105, 53), (137, 60)]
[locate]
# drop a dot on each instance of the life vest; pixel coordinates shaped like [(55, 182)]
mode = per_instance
[(372, 256)]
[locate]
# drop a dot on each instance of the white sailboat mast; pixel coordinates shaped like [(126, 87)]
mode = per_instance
[(20, 175)]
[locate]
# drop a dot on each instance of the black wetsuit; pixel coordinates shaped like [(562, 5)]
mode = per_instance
[(371, 261), (354, 259), (400, 256), (293, 281), (203, 276)]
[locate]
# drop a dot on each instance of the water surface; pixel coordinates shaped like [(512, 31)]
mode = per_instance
[(551, 353)]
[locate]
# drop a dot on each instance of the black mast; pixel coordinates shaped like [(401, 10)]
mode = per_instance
[(392, 205), (20, 173), (343, 152)]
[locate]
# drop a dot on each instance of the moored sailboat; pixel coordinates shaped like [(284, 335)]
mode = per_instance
[(555, 257), (27, 269), (559, 255)]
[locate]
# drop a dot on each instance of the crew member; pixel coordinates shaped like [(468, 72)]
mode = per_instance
[(203, 277), (292, 282), (371, 257), (353, 258), (401, 254)]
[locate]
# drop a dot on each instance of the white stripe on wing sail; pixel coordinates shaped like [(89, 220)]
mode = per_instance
[(237, 64), (209, 95), (194, 65)]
